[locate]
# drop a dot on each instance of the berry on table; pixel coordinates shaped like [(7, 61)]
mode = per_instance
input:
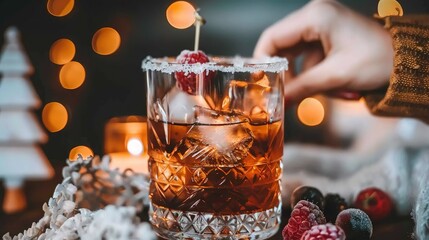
[(187, 81), (308, 193), (324, 232), (304, 215), (375, 202), (334, 204), (355, 223)]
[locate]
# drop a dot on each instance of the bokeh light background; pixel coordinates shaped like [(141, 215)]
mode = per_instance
[(87, 56)]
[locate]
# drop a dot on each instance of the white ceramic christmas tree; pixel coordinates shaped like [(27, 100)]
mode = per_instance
[(20, 156)]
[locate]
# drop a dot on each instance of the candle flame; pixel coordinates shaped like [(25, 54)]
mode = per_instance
[(135, 146)]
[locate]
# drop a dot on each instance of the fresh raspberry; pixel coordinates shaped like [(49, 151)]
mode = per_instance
[(374, 202), (187, 81), (304, 215), (324, 232)]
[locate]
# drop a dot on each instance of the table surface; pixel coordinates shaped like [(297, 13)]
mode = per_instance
[(38, 192)]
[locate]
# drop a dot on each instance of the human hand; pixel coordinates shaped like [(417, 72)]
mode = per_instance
[(343, 51)]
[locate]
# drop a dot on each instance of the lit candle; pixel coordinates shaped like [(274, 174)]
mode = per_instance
[(126, 143), (124, 161)]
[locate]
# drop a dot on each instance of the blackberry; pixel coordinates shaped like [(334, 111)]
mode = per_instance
[(334, 204), (308, 193)]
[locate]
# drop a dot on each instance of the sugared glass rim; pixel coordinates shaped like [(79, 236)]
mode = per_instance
[(217, 63)]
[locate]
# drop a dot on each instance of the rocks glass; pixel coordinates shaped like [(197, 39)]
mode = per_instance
[(215, 145)]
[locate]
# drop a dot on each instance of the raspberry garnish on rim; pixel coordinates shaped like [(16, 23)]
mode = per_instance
[(187, 81)]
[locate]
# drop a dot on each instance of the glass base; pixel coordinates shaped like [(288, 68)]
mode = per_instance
[(174, 224)]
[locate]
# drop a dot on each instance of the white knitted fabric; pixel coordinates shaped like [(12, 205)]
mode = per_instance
[(420, 180)]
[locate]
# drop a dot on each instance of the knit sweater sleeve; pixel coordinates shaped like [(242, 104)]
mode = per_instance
[(408, 92)]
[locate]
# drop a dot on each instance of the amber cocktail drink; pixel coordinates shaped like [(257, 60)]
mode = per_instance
[(216, 148)]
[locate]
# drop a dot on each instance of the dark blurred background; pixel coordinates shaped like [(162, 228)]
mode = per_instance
[(114, 84)]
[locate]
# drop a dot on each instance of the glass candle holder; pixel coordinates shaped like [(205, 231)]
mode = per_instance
[(126, 143)]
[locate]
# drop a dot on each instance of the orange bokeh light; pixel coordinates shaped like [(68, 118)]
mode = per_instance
[(72, 75), (389, 8), (84, 151), (311, 112), (62, 51), (180, 14), (54, 116), (60, 8), (106, 41)]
